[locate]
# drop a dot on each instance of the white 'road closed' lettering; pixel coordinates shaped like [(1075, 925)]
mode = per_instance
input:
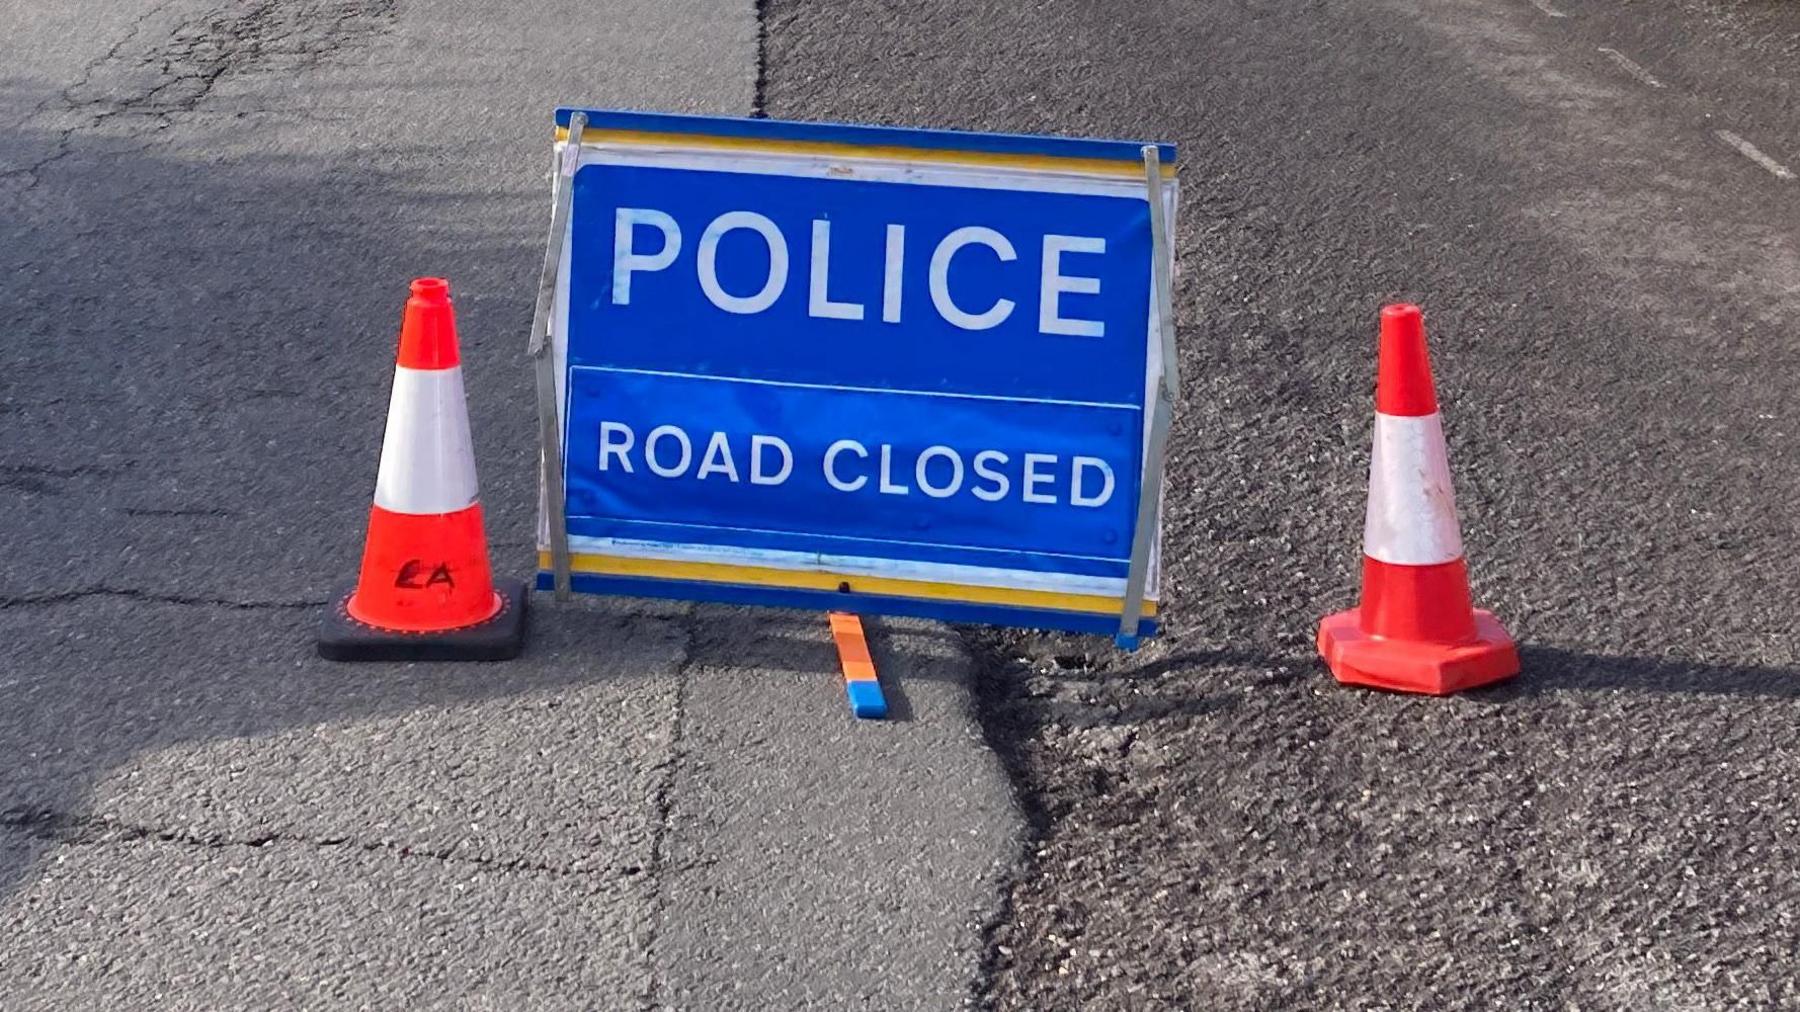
[(662, 433), (668, 453), (888, 485), (1034, 477), (616, 440), (718, 459), (947, 489), (831, 455), (637, 252), (984, 469), (758, 474), (1082, 464), (850, 466)]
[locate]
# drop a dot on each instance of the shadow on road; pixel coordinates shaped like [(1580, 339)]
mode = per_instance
[(199, 342), (1084, 690), (199, 347), (1550, 669)]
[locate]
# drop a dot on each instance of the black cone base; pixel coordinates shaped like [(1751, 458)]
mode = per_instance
[(501, 638)]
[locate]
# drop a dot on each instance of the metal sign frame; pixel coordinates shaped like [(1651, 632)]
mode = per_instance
[(550, 461), (1168, 393)]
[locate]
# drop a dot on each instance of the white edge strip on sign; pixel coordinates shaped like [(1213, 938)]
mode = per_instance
[(559, 350), (427, 460), (845, 537), (860, 390), (1412, 506), (1153, 372), (850, 565)]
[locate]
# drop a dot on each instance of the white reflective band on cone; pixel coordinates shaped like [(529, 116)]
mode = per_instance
[(1412, 507), (427, 461)]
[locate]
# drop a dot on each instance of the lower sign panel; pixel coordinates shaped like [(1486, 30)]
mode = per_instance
[(852, 497), (920, 477)]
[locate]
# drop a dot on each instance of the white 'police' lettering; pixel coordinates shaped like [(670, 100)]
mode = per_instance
[(968, 235), (1056, 277), (708, 262)]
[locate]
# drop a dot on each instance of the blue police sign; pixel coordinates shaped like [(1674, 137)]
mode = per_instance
[(856, 368)]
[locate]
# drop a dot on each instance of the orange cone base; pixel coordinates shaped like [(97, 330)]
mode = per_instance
[(500, 638), (1435, 669)]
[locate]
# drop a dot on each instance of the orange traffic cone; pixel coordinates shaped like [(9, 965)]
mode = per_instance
[(426, 591), (1416, 630)]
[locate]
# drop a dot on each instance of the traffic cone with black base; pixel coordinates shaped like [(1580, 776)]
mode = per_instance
[(426, 592), (1416, 630)]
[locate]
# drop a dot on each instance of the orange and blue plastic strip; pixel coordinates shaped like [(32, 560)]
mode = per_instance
[(860, 683)]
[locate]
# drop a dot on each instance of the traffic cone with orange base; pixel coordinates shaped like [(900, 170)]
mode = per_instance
[(426, 592), (1416, 630)]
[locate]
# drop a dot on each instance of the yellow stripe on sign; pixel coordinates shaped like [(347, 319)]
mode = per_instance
[(802, 579), (826, 149)]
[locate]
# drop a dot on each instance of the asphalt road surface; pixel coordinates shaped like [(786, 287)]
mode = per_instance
[(211, 211), (1613, 290)]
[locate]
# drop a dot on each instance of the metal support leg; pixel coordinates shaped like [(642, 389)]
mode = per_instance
[(1149, 502), (1168, 391), (544, 359), (1162, 270)]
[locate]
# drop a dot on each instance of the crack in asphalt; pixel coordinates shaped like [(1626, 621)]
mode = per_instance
[(150, 597), (34, 479), (45, 471), (995, 714), (760, 90), (663, 802), (188, 64), (64, 829), (34, 172)]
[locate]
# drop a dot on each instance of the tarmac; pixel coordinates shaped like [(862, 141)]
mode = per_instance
[(1609, 288), (214, 211)]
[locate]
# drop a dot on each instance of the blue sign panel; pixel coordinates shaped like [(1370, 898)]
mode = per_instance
[(854, 368)]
